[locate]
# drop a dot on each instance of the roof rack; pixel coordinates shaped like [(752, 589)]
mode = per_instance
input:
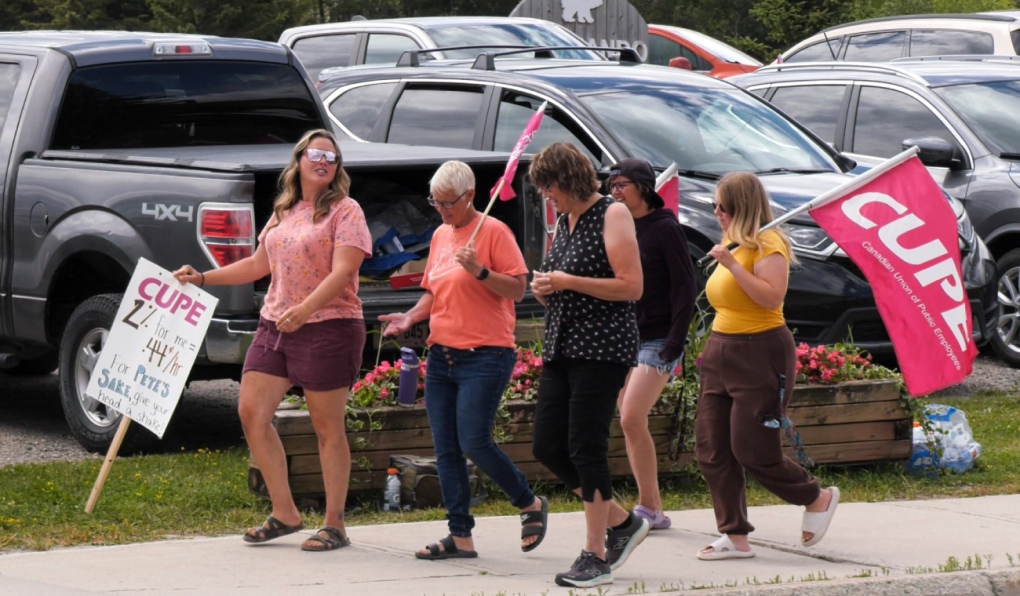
[(487, 60), (841, 65), (960, 58), (412, 57)]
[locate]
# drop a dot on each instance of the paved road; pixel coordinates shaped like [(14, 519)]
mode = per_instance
[(33, 429)]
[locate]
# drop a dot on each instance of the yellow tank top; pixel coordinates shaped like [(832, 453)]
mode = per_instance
[(735, 311)]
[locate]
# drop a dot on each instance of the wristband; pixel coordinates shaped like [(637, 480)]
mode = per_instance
[(203, 279), (484, 273)]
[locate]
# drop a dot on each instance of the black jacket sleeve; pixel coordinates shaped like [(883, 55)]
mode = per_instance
[(683, 289)]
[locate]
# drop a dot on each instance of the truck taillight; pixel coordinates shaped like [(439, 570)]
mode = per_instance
[(226, 232)]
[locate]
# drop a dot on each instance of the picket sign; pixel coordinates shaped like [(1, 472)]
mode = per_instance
[(148, 354)]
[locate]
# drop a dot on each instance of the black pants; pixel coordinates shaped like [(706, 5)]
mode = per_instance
[(576, 403)]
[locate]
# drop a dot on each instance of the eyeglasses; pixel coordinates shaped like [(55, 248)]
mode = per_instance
[(316, 155), (619, 185), (446, 204), (546, 188), (719, 207)]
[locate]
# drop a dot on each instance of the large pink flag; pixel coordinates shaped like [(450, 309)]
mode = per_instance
[(902, 233), (504, 184)]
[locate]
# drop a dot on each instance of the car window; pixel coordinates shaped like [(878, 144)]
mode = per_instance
[(989, 109), (876, 47), (437, 115), (704, 129), (386, 48), (324, 51), (1015, 36), (522, 34), (662, 50), (9, 75), (359, 108), (514, 112), (823, 51), (942, 42), (177, 103), (886, 117), (817, 107)]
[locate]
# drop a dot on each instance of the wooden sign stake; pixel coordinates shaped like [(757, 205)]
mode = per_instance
[(107, 463)]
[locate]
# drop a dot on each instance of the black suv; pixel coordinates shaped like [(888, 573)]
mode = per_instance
[(960, 113), (623, 109)]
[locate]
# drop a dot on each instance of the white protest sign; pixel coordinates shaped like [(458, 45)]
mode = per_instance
[(151, 347)]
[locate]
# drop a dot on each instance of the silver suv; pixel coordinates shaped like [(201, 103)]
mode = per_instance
[(889, 38), (382, 41)]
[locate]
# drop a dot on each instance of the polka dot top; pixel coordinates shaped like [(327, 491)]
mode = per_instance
[(578, 325)]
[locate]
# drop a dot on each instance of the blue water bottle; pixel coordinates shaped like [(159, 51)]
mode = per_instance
[(408, 389)]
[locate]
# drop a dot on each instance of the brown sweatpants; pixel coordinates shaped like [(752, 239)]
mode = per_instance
[(740, 387)]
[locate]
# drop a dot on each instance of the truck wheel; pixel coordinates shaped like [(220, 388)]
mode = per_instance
[(92, 422), (40, 365), (1006, 338)]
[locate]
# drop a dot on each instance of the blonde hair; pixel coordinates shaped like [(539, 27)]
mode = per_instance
[(290, 180), (742, 197)]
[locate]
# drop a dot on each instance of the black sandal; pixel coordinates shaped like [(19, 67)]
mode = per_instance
[(270, 529), (528, 527), (332, 540), (450, 551)]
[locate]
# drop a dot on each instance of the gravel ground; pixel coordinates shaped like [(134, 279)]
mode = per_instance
[(33, 429)]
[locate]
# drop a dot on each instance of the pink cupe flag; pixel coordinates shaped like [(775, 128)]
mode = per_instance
[(504, 186), (901, 232), (670, 193)]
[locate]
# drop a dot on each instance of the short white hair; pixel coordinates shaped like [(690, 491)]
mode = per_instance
[(453, 176)]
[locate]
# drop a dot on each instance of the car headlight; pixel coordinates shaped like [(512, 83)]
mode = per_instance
[(813, 240)]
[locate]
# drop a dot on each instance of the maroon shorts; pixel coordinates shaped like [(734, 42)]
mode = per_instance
[(319, 356)]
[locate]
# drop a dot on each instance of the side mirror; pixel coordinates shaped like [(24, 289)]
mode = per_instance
[(934, 152), (680, 62)]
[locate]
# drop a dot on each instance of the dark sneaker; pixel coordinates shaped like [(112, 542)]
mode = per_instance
[(620, 543), (587, 571)]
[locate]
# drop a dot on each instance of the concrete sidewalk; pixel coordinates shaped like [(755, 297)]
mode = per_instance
[(870, 549)]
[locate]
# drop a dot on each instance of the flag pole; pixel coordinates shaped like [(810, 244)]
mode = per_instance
[(665, 175), (837, 191), (499, 187)]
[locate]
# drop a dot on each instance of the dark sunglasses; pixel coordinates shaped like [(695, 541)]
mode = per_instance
[(719, 207), (316, 155)]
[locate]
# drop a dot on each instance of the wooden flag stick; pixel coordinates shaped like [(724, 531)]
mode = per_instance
[(492, 201), (107, 463)]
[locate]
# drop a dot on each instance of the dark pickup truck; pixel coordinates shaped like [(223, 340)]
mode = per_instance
[(115, 146)]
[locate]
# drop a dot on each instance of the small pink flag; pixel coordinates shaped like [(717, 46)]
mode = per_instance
[(507, 192), (669, 190)]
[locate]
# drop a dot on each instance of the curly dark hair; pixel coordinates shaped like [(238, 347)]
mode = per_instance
[(566, 166)]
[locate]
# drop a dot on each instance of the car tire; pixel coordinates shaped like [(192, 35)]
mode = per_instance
[(39, 365), (1006, 337), (92, 423)]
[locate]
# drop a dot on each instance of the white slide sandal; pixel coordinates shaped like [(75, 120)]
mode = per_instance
[(818, 522), (723, 549)]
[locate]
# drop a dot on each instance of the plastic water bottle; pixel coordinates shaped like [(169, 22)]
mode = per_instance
[(408, 390), (391, 496), (957, 460)]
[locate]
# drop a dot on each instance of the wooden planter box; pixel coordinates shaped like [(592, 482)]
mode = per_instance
[(850, 423)]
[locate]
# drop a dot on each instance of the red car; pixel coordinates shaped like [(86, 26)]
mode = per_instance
[(684, 48)]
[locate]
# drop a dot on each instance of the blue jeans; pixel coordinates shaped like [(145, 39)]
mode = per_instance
[(648, 355), (463, 389)]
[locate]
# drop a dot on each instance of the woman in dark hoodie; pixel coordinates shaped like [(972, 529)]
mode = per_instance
[(663, 315)]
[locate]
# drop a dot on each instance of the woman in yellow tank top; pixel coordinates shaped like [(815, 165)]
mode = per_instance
[(748, 373)]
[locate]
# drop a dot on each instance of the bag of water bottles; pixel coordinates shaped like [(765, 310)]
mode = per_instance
[(947, 442)]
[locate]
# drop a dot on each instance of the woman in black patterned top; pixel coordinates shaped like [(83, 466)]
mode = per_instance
[(588, 283)]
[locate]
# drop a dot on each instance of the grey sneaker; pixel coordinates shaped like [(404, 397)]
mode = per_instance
[(587, 571), (620, 543)]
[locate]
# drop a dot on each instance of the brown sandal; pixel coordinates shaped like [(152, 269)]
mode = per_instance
[(332, 540)]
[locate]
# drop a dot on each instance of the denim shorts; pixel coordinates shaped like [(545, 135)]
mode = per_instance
[(648, 355), (321, 356)]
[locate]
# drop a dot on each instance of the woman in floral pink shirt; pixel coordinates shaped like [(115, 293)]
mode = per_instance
[(311, 333)]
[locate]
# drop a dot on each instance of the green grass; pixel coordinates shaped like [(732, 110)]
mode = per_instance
[(205, 493)]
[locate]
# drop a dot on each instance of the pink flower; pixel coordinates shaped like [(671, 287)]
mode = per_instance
[(384, 392)]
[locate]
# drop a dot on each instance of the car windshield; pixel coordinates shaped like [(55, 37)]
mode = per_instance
[(990, 110), (508, 34), (707, 130)]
